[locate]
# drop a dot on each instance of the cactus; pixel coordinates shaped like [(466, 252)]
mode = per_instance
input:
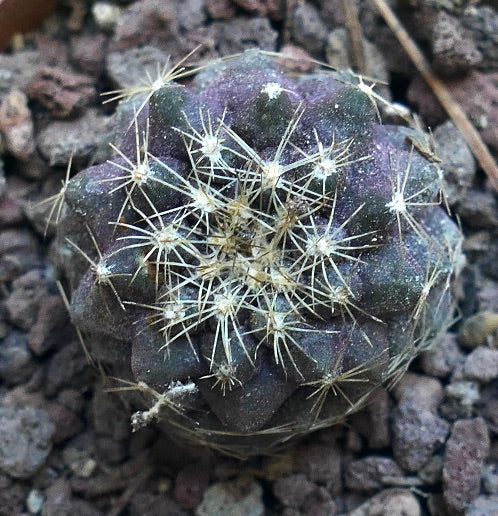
[(260, 254)]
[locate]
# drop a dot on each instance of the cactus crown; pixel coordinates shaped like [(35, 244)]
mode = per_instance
[(264, 240)]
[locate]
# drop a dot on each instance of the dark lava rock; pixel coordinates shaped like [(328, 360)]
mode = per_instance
[(16, 362), (417, 434)]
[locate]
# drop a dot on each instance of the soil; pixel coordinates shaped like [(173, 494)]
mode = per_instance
[(429, 446)]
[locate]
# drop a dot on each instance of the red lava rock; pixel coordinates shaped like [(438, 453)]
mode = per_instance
[(296, 59), (16, 124), (62, 93), (477, 94), (220, 9), (51, 317), (190, 484), (466, 450)]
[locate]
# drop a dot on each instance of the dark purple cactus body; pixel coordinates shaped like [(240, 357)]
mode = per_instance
[(263, 249)]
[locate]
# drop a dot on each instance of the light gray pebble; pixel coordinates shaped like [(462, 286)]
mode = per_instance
[(442, 359), (481, 364), (483, 506), (80, 138), (394, 502), (25, 440), (307, 28), (240, 496), (423, 391)]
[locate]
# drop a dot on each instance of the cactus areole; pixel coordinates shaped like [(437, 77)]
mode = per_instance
[(260, 254)]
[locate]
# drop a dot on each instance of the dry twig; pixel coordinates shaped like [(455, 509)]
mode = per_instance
[(442, 93)]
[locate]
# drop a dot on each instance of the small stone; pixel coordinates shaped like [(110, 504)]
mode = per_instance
[(190, 484), (58, 499), (23, 304), (292, 490), (453, 50), (148, 23), (373, 423), (460, 397), (231, 35), (34, 501), (479, 209), (241, 496), (442, 359), (63, 93), (465, 452), (51, 317), (16, 362), (482, 21), (67, 368), (457, 162), (417, 434), (371, 473), (67, 423), (394, 502), (87, 53), (25, 440), (146, 503), (481, 364), (106, 15), (81, 138), (476, 328), (191, 15), (16, 124), (321, 464), (17, 68), (483, 506), (307, 28), (432, 472), (421, 390)]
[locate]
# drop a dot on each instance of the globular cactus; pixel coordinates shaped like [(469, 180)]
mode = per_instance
[(261, 254)]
